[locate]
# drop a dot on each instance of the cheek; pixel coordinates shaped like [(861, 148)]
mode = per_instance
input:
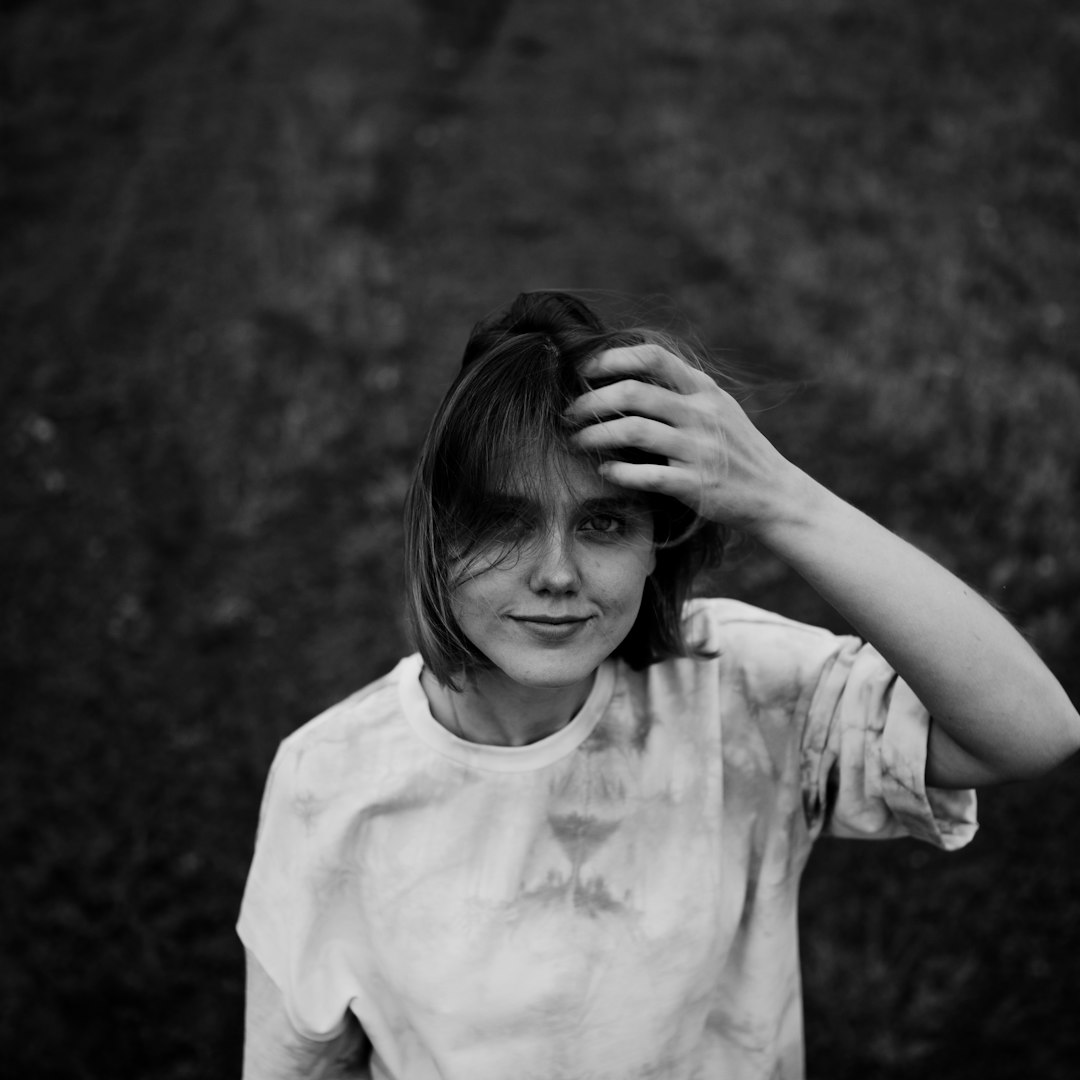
[(467, 605), (479, 596), (621, 580)]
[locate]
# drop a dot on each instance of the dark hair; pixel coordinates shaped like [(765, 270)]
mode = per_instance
[(520, 370)]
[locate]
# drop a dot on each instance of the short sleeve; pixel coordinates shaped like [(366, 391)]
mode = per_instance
[(864, 757), (284, 922)]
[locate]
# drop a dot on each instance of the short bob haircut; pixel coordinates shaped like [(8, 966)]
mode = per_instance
[(501, 422)]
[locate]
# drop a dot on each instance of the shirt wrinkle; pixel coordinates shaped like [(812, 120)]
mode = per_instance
[(617, 903)]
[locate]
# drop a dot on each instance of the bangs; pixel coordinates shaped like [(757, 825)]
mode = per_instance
[(508, 435)]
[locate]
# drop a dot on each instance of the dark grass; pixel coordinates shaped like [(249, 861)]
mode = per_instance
[(243, 245)]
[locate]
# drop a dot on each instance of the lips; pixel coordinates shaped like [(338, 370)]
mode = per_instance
[(551, 628), (550, 620)]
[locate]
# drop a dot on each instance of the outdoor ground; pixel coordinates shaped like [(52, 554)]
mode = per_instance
[(243, 243)]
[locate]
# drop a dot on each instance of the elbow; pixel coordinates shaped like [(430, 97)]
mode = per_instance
[(1072, 738), (1052, 719), (1034, 731), (1061, 736), (1053, 737)]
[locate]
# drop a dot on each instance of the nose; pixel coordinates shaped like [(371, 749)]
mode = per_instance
[(553, 568)]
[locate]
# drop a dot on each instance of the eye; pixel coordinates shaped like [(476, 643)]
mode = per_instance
[(604, 524), (507, 526)]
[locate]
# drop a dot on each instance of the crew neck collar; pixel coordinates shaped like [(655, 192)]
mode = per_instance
[(534, 755)]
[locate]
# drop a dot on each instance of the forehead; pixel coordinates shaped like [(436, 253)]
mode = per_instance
[(559, 481)]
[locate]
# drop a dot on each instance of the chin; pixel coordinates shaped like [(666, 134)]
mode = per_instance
[(554, 673)]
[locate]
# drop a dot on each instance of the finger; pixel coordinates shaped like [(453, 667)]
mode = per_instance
[(628, 396), (654, 478), (651, 361), (636, 431)]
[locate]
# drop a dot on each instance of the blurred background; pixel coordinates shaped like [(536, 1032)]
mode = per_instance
[(243, 243)]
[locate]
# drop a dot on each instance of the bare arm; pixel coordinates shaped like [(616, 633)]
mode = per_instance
[(273, 1050), (999, 714)]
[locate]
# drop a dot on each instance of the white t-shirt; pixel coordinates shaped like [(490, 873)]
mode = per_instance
[(616, 901)]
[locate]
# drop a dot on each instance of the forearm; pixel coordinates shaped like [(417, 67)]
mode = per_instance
[(999, 713), (273, 1050)]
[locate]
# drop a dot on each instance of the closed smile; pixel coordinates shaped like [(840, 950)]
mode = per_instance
[(551, 628), (551, 620)]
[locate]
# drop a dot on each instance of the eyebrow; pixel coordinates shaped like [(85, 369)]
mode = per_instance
[(606, 504), (596, 504)]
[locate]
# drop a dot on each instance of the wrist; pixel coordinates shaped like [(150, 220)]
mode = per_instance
[(790, 502)]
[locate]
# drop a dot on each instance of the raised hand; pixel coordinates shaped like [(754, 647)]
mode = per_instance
[(998, 713), (718, 463)]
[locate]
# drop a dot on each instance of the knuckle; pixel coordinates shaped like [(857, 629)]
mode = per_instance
[(646, 479), (631, 394)]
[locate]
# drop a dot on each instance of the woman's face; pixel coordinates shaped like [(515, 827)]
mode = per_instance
[(547, 612)]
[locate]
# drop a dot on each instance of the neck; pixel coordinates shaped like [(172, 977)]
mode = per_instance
[(494, 711)]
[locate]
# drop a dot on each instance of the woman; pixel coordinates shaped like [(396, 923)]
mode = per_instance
[(564, 839)]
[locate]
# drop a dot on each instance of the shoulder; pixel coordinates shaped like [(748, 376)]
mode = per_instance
[(760, 649), (339, 739), (725, 625), (339, 720)]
